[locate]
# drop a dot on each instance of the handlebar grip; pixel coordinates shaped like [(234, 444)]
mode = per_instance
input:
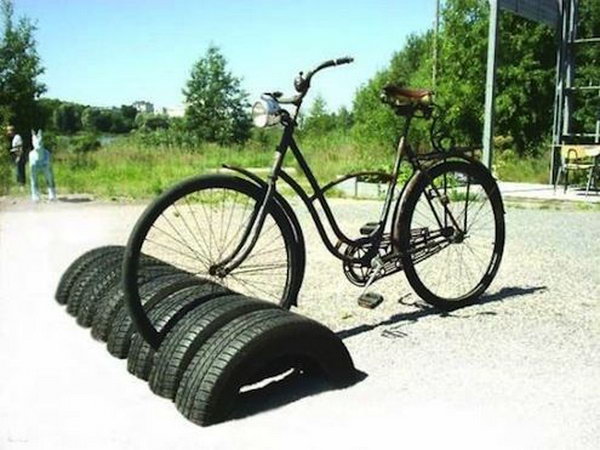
[(344, 60), (334, 62)]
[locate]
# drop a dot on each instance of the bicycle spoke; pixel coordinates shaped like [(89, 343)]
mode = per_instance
[(186, 225), (199, 229), (199, 232)]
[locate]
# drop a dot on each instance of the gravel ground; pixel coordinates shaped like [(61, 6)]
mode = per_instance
[(519, 370)]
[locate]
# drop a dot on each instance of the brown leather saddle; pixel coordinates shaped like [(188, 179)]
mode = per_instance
[(405, 100)]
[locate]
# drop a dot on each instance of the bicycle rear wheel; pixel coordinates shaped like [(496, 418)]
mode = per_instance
[(198, 223), (451, 255)]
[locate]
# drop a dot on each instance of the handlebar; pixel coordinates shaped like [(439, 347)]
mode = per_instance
[(302, 82), (333, 62)]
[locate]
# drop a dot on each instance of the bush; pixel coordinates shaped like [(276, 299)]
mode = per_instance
[(508, 166), (84, 144), (5, 173)]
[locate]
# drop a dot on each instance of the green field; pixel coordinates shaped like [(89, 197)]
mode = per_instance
[(128, 169)]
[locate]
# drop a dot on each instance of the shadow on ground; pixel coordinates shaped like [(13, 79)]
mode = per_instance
[(298, 385), (425, 310), (75, 199), (295, 386)]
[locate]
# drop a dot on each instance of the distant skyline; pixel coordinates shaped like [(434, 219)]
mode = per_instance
[(113, 52)]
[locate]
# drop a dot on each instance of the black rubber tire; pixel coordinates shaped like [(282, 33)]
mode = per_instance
[(183, 341), (78, 267), (233, 356), (412, 195), (164, 201), (122, 328), (154, 278), (164, 316), (95, 293), (92, 277)]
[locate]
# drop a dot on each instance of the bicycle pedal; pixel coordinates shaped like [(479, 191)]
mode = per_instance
[(368, 228), (370, 300)]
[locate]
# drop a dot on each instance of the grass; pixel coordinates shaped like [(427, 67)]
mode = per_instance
[(123, 169), (126, 169), (509, 167)]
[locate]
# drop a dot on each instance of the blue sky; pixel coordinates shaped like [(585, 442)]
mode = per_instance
[(113, 52)]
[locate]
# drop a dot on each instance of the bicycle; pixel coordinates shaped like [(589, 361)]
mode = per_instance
[(446, 230)]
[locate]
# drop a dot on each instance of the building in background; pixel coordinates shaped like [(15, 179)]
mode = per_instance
[(176, 111), (143, 107)]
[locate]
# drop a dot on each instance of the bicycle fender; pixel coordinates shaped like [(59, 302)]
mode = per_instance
[(291, 215), (398, 208), (476, 162)]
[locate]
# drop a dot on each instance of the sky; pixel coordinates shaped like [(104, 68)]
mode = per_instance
[(113, 52)]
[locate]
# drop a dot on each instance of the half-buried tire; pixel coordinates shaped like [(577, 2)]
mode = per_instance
[(79, 267), (94, 293), (237, 353), (90, 278), (152, 294), (155, 279), (164, 316), (183, 341)]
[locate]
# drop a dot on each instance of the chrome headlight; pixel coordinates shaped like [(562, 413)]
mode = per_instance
[(266, 112)]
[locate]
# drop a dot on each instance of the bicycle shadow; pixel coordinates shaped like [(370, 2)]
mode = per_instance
[(293, 387), (298, 385), (425, 310)]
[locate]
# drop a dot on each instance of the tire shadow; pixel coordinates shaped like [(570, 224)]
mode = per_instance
[(425, 310), (293, 387)]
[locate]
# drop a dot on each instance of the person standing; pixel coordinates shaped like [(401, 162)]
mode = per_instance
[(17, 154)]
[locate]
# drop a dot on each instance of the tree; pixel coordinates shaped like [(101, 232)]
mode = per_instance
[(67, 118), (375, 122), (525, 81), (46, 110), (97, 120), (319, 121), (20, 67), (526, 72), (217, 106), (587, 102), (129, 114), (152, 122), (344, 119)]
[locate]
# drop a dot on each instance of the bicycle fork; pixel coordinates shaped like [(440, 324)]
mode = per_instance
[(255, 223)]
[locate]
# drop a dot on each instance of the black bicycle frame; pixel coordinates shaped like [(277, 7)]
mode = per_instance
[(258, 216)]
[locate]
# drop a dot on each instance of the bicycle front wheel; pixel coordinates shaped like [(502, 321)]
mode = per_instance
[(198, 223), (451, 233)]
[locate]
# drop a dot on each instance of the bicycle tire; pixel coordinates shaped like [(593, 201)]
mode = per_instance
[(230, 186), (404, 224)]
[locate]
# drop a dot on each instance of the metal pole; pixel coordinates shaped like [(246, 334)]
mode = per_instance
[(490, 86), (598, 123), (570, 67), (559, 101), (436, 31)]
